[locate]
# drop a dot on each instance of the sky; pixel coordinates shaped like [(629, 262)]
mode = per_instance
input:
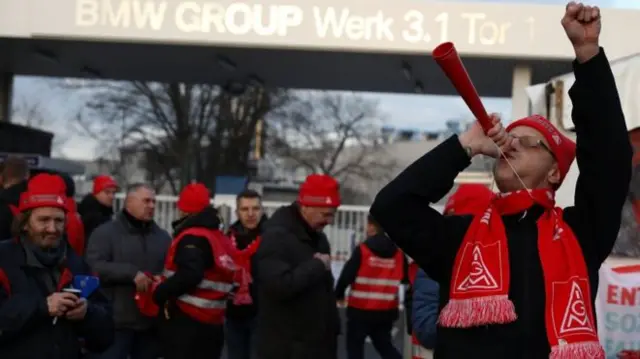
[(420, 112)]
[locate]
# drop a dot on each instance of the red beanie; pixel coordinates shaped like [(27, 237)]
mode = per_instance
[(44, 190), (102, 182), (319, 191), (470, 198), (194, 198), (563, 148)]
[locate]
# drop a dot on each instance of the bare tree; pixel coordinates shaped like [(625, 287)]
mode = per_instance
[(34, 114), (331, 133), (181, 132)]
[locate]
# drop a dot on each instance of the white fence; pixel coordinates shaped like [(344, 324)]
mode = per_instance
[(347, 229)]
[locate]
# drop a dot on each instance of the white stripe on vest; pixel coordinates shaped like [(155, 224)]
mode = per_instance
[(206, 285)]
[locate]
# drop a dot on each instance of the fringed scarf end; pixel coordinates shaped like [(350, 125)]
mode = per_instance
[(591, 350), (466, 313)]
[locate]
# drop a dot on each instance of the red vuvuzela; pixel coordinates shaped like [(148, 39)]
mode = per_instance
[(448, 59)]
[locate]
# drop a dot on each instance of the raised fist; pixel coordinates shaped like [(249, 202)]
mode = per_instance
[(582, 24)]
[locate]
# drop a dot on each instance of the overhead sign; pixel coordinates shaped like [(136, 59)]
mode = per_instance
[(514, 30)]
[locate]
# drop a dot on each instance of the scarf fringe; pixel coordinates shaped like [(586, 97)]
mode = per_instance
[(591, 350), (466, 313)]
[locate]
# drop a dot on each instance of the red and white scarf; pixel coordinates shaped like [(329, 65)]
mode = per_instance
[(242, 258), (480, 278)]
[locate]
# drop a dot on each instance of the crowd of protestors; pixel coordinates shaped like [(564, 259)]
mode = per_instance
[(496, 275)]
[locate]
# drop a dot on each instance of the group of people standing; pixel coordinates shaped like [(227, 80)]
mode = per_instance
[(191, 283), (513, 276)]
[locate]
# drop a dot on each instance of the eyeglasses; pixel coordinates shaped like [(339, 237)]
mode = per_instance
[(533, 142)]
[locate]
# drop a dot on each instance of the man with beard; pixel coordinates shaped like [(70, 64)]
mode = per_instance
[(245, 236), (297, 313), (519, 279), (38, 319)]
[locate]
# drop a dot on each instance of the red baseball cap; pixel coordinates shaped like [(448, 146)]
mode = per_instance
[(562, 147), (44, 190), (194, 198), (102, 182), (319, 190)]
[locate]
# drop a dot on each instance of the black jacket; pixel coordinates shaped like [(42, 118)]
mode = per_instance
[(93, 214), (244, 238), (9, 196), (382, 247), (402, 208), (297, 315), (193, 257), (26, 328)]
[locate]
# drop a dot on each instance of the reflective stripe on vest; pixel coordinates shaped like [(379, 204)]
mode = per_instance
[(377, 282), (206, 302), (206, 285)]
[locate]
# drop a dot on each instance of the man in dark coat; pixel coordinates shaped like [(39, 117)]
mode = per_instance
[(38, 319), (519, 279), (96, 207), (297, 315), (245, 237)]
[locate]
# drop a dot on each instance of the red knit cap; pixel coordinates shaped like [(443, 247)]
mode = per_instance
[(319, 191), (194, 198), (470, 198), (44, 190), (563, 148), (102, 182)]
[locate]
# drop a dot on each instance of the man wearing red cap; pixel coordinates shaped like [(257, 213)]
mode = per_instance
[(519, 280), (37, 318), (199, 276), (96, 207), (297, 314)]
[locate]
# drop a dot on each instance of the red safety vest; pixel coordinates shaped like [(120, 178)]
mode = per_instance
[(377, 282), (208, 301)]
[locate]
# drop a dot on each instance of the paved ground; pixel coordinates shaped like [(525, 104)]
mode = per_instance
[(398, 332), (370, 353)]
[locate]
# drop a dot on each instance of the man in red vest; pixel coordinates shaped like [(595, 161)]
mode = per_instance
[(245, 236), (198, 280), (374, 272)]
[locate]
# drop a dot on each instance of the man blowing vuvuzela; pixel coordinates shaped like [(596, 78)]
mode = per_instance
[(519, 279)]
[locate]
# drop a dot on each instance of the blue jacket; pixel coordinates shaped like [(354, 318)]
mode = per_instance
[(425, 309), (27, 329)]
